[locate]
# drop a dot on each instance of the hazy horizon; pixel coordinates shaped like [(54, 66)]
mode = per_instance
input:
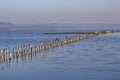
[(59, 27)]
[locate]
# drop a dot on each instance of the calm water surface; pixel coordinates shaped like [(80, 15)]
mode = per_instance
[(95, 58)]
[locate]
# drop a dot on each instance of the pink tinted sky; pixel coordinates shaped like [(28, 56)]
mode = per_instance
[(60, 11)]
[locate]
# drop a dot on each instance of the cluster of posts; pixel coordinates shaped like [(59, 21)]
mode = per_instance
[(7, 54)]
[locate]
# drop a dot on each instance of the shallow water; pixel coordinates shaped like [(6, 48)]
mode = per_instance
[(96, 58)]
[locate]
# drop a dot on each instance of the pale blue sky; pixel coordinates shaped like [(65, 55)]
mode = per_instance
[(60, 11)]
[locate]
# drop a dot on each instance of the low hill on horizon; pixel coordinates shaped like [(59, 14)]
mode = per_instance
[(5, 24)]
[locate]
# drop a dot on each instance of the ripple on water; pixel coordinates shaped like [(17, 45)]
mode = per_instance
[(97, 57)]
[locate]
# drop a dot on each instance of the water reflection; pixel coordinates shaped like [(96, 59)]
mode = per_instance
[(30, 52), (6, 61)]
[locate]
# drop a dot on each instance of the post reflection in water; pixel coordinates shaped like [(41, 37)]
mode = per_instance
[(28, 53), (6, 61)]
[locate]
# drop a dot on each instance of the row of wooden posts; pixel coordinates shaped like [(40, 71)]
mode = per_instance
[(10, 53)]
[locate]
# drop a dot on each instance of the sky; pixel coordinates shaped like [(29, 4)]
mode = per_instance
[(59, 11)]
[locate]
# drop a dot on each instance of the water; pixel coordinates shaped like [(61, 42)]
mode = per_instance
[(95, 58), (8, 39)]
